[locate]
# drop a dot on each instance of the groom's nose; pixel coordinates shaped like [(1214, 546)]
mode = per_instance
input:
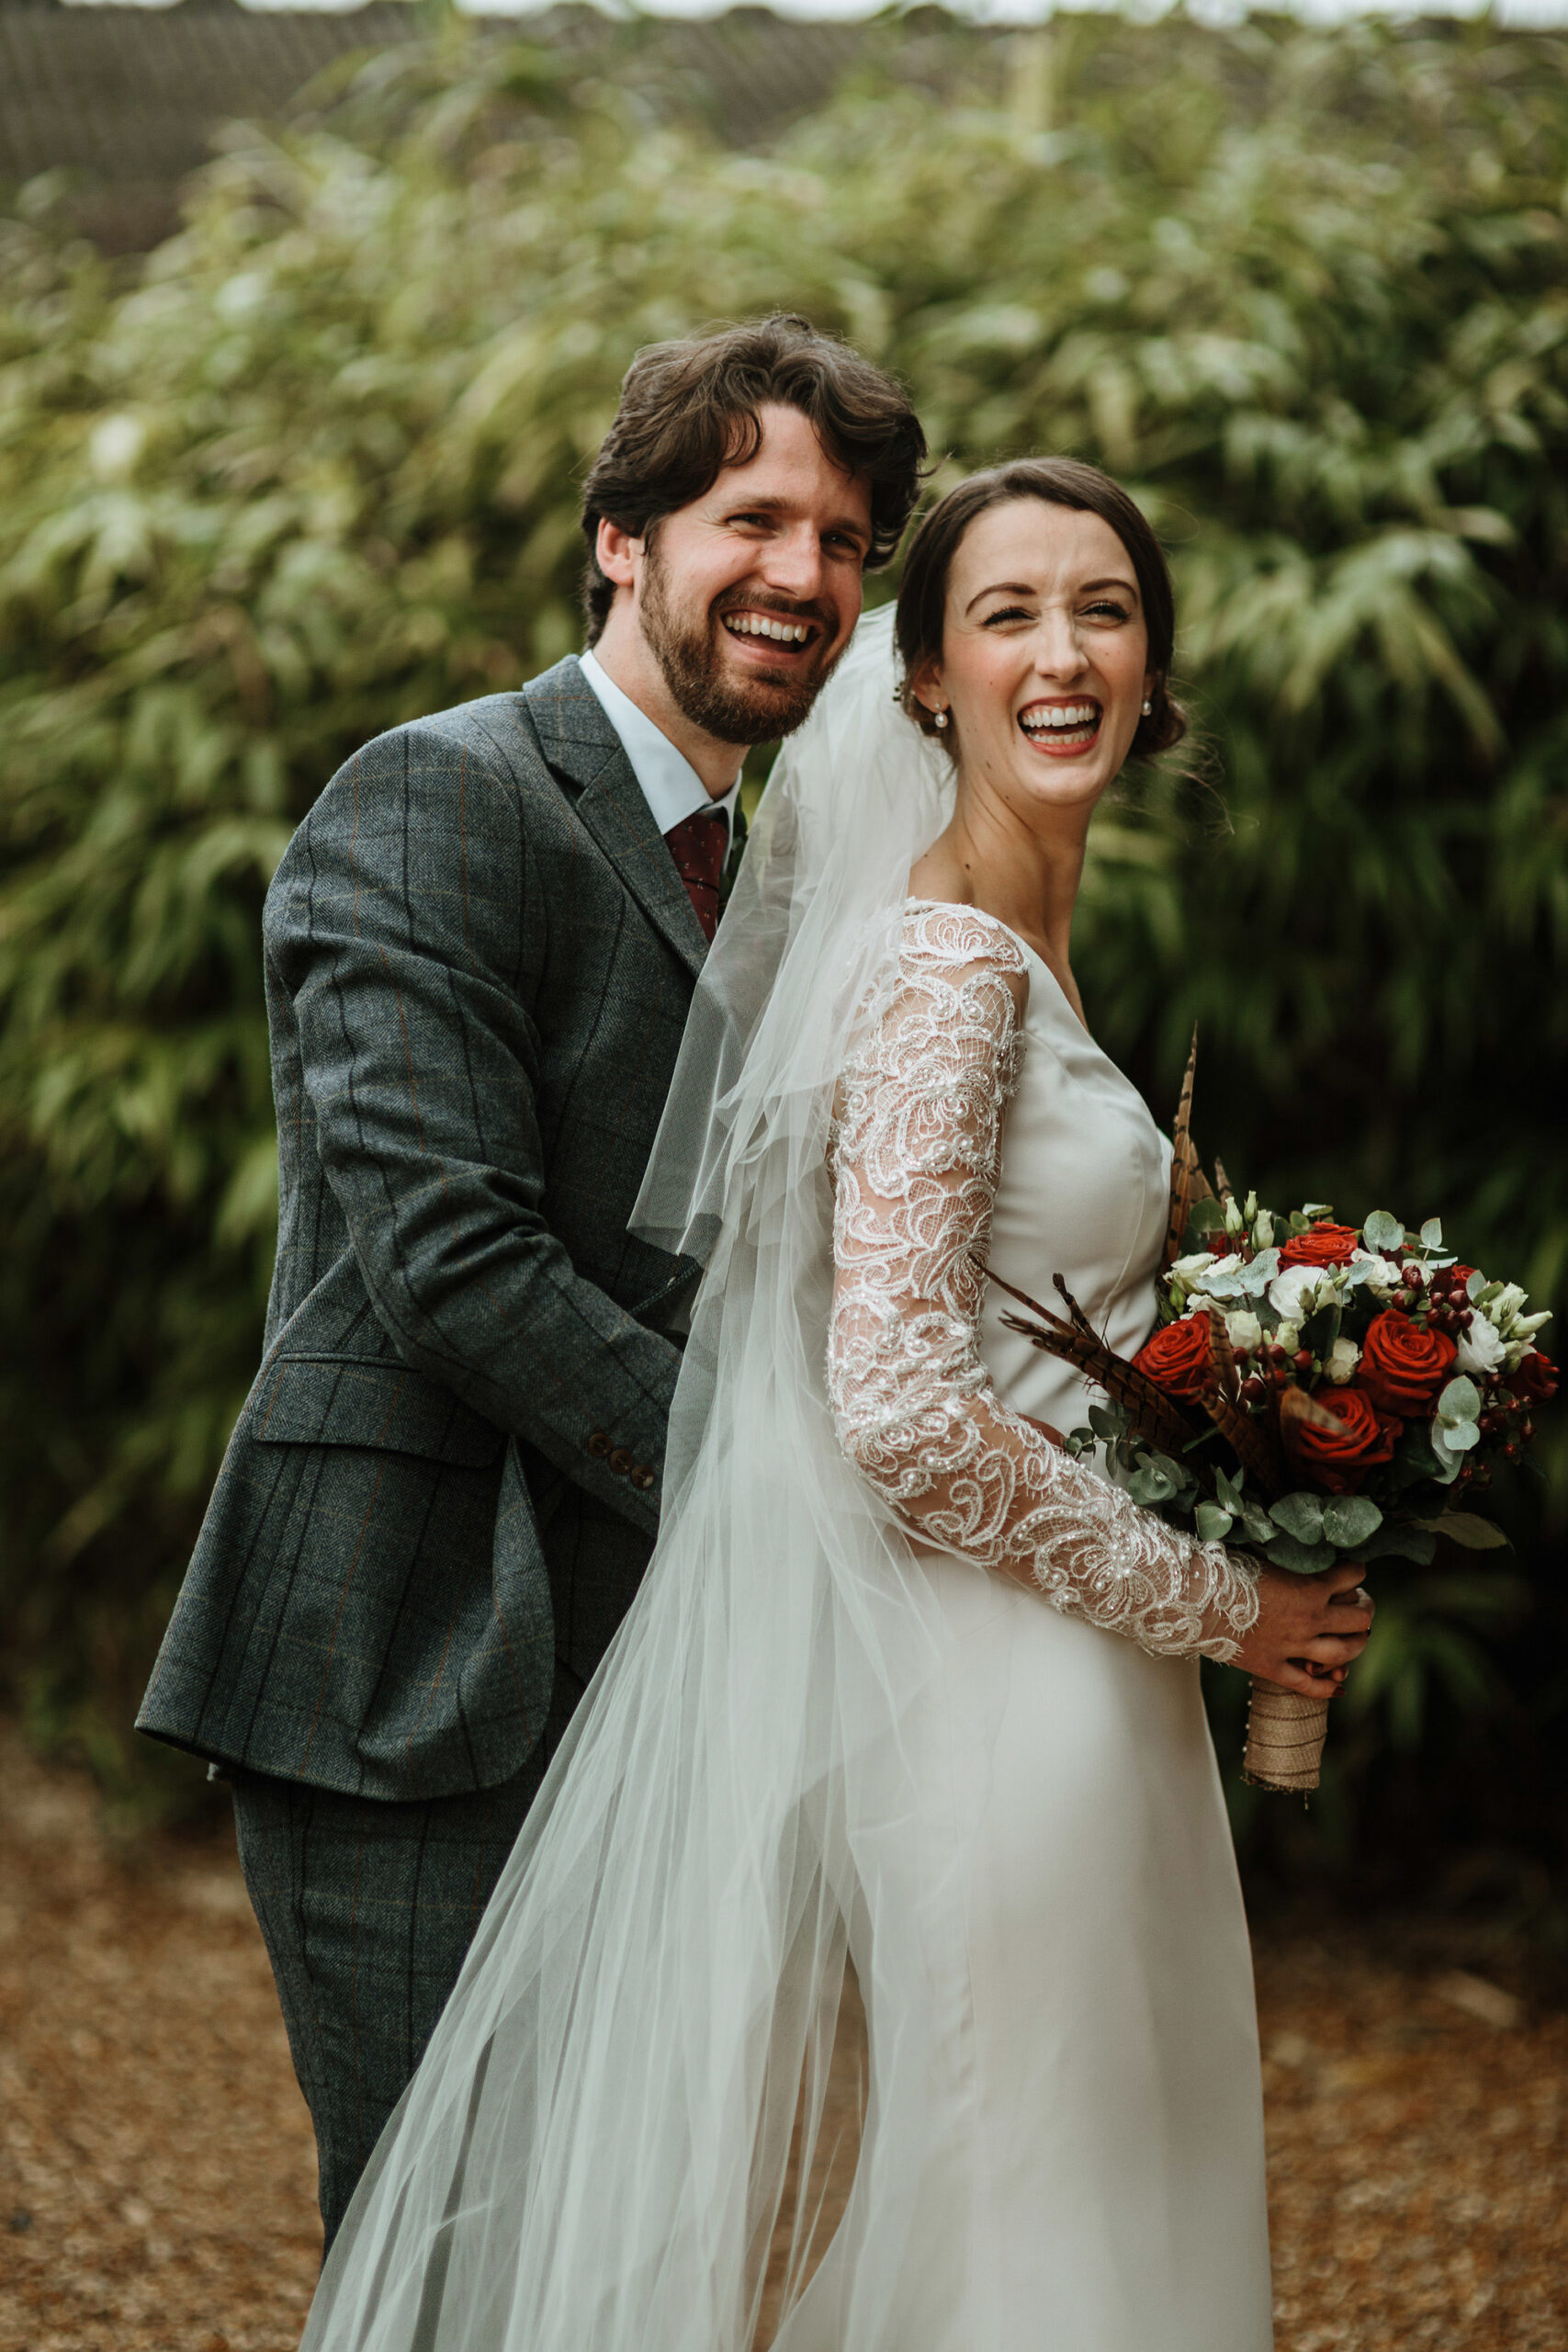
[(794, 563)]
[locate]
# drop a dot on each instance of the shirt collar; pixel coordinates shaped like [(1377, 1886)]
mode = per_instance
[(670, 785)]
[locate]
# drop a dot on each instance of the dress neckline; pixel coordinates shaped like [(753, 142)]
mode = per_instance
[(1033, 953)]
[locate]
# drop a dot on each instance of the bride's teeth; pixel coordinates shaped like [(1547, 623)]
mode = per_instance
[(1073, 714)]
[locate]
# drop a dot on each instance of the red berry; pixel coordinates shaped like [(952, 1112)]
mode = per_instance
[(1303, 1359)]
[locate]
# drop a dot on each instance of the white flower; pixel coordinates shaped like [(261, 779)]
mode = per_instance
[(1262, 1230), (1244, 1331), (1289, 1337), (1480, 1348), (1341, 1361), (1527, 1325), (1506, 1307), (1379, 1273), (1188, 1270), (1294, 1293)]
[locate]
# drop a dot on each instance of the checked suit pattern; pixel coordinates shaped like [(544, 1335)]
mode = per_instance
[(478, 962)]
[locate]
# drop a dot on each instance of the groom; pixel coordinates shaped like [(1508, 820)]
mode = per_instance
[(480, 947)]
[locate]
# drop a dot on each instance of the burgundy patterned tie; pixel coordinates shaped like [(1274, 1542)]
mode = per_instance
[(698, 844)]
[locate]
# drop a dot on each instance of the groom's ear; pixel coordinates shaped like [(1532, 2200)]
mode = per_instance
[(618, 553)]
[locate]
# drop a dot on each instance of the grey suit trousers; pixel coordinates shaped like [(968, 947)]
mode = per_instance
[(367, 1909)]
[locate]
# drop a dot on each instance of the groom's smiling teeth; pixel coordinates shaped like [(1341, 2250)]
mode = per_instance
[(1061, 726), (767, 625)]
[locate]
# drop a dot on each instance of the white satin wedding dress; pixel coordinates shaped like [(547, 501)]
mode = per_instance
[(902, 1674), (1074, 1970)]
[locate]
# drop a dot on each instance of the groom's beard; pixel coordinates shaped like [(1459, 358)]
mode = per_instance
[(756, 709)]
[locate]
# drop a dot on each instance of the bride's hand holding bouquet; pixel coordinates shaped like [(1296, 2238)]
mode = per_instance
[(1322, 1394)]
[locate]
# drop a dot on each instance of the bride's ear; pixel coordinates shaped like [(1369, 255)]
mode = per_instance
[(926, 695)]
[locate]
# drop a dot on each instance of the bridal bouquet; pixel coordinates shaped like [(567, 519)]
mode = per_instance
[(1316, 1390)]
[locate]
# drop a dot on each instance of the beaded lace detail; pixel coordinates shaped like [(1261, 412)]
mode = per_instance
[(916, 1155)]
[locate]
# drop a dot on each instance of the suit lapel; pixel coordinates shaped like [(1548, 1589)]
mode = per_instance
[(586, 752)]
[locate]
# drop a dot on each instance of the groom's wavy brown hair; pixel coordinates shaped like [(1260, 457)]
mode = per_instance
[(689, 409)]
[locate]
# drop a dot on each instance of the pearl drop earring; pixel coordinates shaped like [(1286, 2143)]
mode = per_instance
[(940, 719), (1148, 707)]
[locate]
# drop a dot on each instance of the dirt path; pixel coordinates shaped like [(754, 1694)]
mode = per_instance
[(157, 2167)]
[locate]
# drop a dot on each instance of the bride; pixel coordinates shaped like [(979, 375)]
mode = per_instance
[(905, 1680)]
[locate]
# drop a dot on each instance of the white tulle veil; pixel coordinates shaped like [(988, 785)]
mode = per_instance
[(595, 2153)]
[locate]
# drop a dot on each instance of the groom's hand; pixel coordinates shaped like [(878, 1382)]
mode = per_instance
[(1309, 1629)]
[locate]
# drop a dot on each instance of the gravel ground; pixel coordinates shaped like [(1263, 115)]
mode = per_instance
[(156, 2190)]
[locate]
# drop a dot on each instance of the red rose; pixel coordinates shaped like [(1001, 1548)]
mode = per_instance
[(1337, 1460), (1176, 1358), (1535, 1378), (1321, 1245), (1401, 1366)]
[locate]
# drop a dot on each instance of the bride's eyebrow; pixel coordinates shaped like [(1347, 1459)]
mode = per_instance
[(1028, 588), (1002, 588)]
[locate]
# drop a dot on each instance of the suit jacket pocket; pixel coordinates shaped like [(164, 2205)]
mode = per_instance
[(387, 1407)]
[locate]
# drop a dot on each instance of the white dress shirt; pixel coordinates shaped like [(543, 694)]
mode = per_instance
[(670, 785)]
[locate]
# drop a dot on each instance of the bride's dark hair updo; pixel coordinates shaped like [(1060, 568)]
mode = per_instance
[(1057, 481)]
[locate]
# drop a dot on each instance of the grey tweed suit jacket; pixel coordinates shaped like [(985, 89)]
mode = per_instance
[(479, 959)]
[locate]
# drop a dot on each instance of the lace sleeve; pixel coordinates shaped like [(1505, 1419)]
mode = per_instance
[(916, 1150)]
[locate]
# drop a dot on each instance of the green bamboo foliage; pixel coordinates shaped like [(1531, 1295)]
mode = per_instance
[(314, 472)]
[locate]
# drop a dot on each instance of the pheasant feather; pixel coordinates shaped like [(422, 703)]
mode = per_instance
[(1156, 1418)]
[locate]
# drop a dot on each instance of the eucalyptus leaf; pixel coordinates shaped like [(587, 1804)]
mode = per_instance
[(1109, 1422), (1384, 1233), (1460, 1401), (1414, 1455), (1229, 1488), (1260, 1527), (1302, 1559), (1213, 1524), (1299, 1515), (1206, 1218), (1432, 1233), (1348, 1519)]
